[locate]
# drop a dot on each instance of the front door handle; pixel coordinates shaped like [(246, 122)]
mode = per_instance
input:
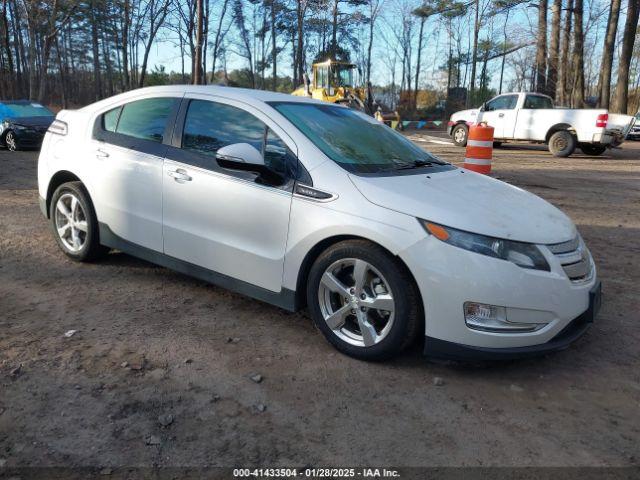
[(501, 115), (101, 154), (179, 175)]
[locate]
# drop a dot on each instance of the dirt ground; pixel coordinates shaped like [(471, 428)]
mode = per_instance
[(159, 371)]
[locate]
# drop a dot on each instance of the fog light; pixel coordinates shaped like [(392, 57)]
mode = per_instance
[(493, 318)]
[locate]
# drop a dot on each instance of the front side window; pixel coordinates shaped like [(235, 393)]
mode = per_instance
[(535, 102), (145, 119), (355, 141), (505, 102), (209, 126)]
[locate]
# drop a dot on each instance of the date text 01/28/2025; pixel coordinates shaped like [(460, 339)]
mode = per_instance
[(335, 473)]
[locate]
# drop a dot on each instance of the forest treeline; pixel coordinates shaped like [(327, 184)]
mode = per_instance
[(73, 52)]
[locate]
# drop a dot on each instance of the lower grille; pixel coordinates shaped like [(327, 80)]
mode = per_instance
[(574, 258)]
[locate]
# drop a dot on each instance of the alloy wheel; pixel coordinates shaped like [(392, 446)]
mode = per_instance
[(10, 141), (459, 135), (356, 302), (71, 222)]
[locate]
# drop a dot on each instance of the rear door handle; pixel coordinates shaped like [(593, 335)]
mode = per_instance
[(501, 115), (179, 175), (101, 153)]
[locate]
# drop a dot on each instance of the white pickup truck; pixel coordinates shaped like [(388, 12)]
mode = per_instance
[(532, 117)]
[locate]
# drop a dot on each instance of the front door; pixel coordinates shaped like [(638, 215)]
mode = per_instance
[(500, 113), (231, 222)]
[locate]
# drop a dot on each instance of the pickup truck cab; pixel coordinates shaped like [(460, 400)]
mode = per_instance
[(533, 117)]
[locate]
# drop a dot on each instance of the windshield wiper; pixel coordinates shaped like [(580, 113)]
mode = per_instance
[(415, 164)]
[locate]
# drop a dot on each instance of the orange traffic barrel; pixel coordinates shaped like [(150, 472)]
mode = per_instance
[(479, 148)]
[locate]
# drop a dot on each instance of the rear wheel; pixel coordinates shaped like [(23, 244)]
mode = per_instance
[(497, 144), (74, 223), (589, 149), (562, 143), (363, 300), (10, 141), (460, 133)]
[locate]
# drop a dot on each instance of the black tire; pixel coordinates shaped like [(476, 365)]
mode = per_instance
[(497, 144), (407, 316), (11, 142), (589, 149), (461, 132), (91, 248), (562, 143)]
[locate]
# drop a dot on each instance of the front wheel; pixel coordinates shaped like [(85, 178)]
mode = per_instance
[(363, 300), (589, 149), (459, 134), (562, 143), (10, 141), (74, 223)]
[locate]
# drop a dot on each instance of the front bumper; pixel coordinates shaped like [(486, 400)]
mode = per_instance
[(442, 349), (29, 138), (448, 277)]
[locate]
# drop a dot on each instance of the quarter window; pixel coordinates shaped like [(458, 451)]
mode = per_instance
[(110, 119), (210, 126), (145, 119)]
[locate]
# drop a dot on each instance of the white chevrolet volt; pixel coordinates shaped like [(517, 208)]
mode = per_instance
[(300, 203)]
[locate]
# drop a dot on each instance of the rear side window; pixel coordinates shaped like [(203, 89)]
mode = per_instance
[(534, 102), (145, 119), (210, 126)]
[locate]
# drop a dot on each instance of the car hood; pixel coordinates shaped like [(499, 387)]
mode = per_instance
[(31, 121), (472, 202), (467, 115)]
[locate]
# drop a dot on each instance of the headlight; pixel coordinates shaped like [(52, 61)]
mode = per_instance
[(525, 255)]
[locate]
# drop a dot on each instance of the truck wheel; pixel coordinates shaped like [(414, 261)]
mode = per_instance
[(497, 144), (589, 149), (459, 134), (562, 143)]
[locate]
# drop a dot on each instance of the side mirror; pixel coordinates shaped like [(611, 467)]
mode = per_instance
[(245, 157), (240, 156), (483, 107)]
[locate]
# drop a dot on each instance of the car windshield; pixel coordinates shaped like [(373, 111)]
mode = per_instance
[(357, 142), (20, 110)]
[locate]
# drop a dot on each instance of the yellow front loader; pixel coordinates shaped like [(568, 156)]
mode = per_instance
[(338, 82)]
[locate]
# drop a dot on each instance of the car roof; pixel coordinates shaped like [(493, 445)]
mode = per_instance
[(245, 95), (16, 102)]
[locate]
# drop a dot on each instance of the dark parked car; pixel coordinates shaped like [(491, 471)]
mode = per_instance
[(23, 123), (634, 133)]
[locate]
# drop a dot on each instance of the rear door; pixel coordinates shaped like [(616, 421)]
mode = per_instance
[(228, 221), (500, 113), (129, 145)]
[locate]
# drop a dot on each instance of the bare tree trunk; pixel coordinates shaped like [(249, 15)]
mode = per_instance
[(604, 82), (416, 79), (274, 48), (125, 45), (562, 90), (577, 57), (197, 59), (541, 49), (554, 47), (621, 94), (299, 71), (97, 86), (504, 50), (474, 55)]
